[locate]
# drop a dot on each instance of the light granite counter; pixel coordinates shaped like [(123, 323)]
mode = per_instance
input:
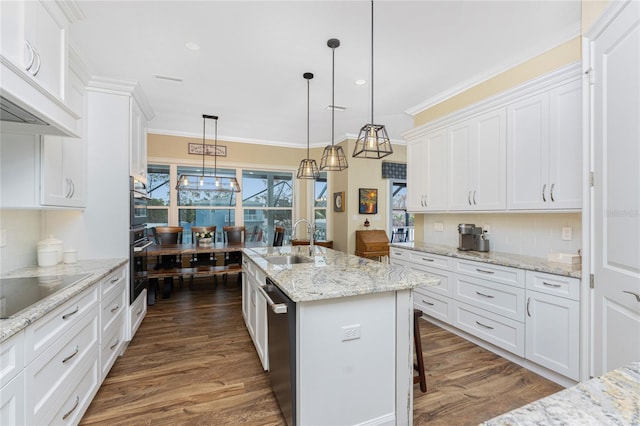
[(333, 274), (497, 258), (611, 399), (95, 270)]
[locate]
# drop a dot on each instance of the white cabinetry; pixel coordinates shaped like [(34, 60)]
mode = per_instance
[(137, 312), (545, 150), (426, 172), (12, 389), (138, 158), (553, 322), (477, 163), (113, 316), (254, 308)]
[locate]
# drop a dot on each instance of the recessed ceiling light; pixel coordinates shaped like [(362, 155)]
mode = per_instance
[(336, 108), (191, 45), (360, 82)]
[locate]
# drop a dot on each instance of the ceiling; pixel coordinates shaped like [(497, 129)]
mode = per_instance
[(252, 56)]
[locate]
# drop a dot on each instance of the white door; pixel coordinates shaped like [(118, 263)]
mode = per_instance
[(416, 173), (436, 171), (615, 59), (489, 192), (462, 165)]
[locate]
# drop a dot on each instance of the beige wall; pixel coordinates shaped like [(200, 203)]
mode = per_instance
[(591, 10)]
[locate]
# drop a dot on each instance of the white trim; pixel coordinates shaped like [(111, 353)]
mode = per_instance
[(123, 87), (545, 82), (387, 419), (614, 8)]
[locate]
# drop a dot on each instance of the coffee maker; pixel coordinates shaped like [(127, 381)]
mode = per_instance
[(471, 237)]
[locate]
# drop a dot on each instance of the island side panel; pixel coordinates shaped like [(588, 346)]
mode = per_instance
[(347, 381), (404, 357)]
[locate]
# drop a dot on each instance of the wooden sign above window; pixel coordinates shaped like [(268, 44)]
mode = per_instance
[(219, 151)]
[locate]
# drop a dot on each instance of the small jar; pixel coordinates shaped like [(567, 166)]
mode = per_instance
[(54, 244)]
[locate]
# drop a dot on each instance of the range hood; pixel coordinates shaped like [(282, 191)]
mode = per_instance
[(13, 113)]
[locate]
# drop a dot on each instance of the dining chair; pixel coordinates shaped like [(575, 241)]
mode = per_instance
[(203, 259), (399, 235), (278, 236), (168, 235), (233, 234)]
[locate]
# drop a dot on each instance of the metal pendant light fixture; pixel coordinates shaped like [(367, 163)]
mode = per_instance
[(308, 168), (333, 158), (209, 182), (373, 140)]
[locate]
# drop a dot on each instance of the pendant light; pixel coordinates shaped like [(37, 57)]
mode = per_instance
[(308, 168), (373, 140), (333, 158), (209, 183)]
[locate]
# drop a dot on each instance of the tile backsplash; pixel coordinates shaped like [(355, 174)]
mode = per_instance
[(23, 233), (533, 234)]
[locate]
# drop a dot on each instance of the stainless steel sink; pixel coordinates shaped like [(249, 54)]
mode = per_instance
[(288, 260)]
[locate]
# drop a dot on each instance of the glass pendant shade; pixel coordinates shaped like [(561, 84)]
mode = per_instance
[(333, 159), (308, 168), (210, 182), (373, 142)]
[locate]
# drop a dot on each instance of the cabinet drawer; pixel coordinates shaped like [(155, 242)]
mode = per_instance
[(446, 280), (50, 328), (431, 260), (501, 274), (11, 358), (113, 282), (52, 373), (111, 343), (553, 284), (498, 330), (495, 297), (434, 305), (112, 309), (137, 312), (12, 405), (398, 254)]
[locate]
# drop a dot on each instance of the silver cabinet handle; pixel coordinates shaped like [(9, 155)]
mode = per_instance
[(64, 361), (551, 193), (139, 312), (528, 303), (114, 280), (484, 325), (69, 189), (277, 308), (33, 56), (488, 296), (633, 294), (115, 308), (544, 188), (469, 197), (474, 197), (427, 303), (397, 253), (37, 55), (65, 316), (68, 413), (551, 284), (112, 347), (426, 259), (484, 271)]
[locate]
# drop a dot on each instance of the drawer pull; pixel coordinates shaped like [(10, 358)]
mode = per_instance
[(483, 325), (139, 312), (484, 271), (485, 295), (427, 303), (528, 303), (65, 316), (64, 361), (114, 280), (68, 413), (112, 347), (633, 294), (397, 253), (551, 284), (426, 259), (115, 308)]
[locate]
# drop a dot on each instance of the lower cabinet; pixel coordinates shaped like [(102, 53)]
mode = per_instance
[(254, 309), (533, 315), (137, 312)]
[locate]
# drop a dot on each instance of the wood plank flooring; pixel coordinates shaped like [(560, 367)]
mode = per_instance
[(193, 362)]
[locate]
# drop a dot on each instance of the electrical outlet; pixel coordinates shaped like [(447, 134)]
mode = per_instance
[(486, 228), (3, 237), (350, 332), (438, 226), (567, 233)]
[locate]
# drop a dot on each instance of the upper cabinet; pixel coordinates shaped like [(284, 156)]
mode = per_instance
[(138, 144), (545, 150), (34, 59), (426, 172)]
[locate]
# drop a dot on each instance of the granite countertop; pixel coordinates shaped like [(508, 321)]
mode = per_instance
[(497, 258), (611, 399), (334, 274), (94, 269)]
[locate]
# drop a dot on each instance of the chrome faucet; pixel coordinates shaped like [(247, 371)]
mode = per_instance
[(310, 231)]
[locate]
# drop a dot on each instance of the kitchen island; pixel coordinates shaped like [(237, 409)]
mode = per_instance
[(353, 335)]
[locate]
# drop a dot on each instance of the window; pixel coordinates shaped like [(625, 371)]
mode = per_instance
[(320, 206), (158, 190), (205, 208), (401, 220), (267, 203)]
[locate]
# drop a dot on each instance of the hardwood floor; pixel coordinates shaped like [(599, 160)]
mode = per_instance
[(193, 362)]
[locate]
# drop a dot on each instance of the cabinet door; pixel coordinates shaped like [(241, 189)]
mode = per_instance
[(552, 333), (138, 165), (527, 153), (62, 171), (12, 401), (416, 173), (490, 161), (435, 194), (20, 170), (565, 147), (462, 167)]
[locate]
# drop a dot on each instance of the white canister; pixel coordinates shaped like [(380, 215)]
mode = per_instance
[(52, 243), (47, 256), (70, 256)]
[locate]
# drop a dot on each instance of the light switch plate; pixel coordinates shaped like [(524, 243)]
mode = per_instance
[(438, 226), (567, 233)]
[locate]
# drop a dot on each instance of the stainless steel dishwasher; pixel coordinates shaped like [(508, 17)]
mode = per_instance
[(281, 318)]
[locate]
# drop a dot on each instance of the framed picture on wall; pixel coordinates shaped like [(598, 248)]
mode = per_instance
[(368, 201), (338, 201)]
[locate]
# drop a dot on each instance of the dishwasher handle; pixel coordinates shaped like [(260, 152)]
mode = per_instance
[(277, 308)]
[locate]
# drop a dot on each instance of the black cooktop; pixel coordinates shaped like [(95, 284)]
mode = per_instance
[(17, 294)]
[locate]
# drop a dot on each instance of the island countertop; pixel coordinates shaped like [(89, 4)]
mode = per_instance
[(333, 274)]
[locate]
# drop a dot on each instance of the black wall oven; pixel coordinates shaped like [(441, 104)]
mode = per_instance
[(138, 241), (139, 201)]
